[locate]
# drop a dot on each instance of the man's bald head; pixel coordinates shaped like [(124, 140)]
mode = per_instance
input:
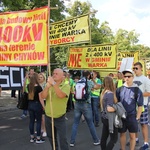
[(58, 74)]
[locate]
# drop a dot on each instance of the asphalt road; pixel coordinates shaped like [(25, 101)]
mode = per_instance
[(14, 134)]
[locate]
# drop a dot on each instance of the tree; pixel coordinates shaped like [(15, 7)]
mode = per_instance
[(15, 5), (79, 8), (58, 56), (126, 40), (99, 35), (106, 33)]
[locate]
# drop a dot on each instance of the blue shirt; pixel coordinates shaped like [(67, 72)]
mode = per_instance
[(127, 97)]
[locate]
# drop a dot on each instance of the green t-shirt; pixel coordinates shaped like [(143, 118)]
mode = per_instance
[(71, 82), (58, 104), (96, 92)]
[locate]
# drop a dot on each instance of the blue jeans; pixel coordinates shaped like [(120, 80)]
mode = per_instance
[(95, 105), (25, 112), (35, 112), (85, 109), (60, 129)]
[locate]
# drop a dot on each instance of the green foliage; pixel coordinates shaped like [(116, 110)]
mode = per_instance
[(79, 8), (59, 56), (55, 14), (106, 33), (126, 40)]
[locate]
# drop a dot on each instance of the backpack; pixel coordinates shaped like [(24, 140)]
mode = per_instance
[(81, 90)]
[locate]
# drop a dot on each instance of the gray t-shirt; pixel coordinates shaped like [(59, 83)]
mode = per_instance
[(107, 101)]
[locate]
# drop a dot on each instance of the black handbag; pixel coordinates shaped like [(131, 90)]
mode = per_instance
[(23, 101)]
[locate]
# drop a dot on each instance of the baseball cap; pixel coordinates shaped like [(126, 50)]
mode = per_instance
[(127, 70)]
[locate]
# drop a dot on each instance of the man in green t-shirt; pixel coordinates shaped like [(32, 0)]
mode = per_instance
[(120, 80), (59, 96)]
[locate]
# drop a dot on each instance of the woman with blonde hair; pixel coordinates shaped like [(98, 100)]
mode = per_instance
[(107, 99)]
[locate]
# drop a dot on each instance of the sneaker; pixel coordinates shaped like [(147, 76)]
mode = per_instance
[(137, 143), (40, 141), (66, 118), (144, 147), (32, 140), (44, 134), (23, 116), (83, 120), (96, 124), (96, 143), (128, 143), (71, 145)]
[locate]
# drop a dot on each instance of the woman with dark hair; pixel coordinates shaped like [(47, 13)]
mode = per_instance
[(35, 108), (108, 98)]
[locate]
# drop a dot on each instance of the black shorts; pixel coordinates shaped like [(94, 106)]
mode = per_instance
[(130, 124)]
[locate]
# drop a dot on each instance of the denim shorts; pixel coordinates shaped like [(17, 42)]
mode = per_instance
[(130, 124)]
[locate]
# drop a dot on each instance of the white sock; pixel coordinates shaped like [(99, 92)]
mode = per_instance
[(146, 143)]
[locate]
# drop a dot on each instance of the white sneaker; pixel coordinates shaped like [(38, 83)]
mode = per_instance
[(66, 118), (71, 145), (32, 140), (40, 141), (23, 116), (97, 143), (44, 134)]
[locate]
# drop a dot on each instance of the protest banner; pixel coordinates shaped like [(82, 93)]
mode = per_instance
[(143, 62), (11, 78), (122, 55), (93, 57), (126, 63), (23, 37), (74, 30)]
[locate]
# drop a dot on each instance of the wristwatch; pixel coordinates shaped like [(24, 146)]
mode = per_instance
[(53, 83)]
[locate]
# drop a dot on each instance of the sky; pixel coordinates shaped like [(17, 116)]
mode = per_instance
[(125, 14)]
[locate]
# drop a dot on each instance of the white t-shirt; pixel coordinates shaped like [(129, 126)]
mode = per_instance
[(144, 84)]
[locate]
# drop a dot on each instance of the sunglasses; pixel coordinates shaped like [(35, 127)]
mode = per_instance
[(135, 68), (128, 76)]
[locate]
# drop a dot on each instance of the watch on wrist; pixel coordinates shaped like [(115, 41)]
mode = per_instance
[(53, 83)]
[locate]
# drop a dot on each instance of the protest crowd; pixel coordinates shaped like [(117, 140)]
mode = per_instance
[(104, 95), (119, 104)]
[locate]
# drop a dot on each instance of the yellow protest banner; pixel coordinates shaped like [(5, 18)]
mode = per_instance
[(122, 55), (144, 67), (93, 57), (23, 38), (75, 30)]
